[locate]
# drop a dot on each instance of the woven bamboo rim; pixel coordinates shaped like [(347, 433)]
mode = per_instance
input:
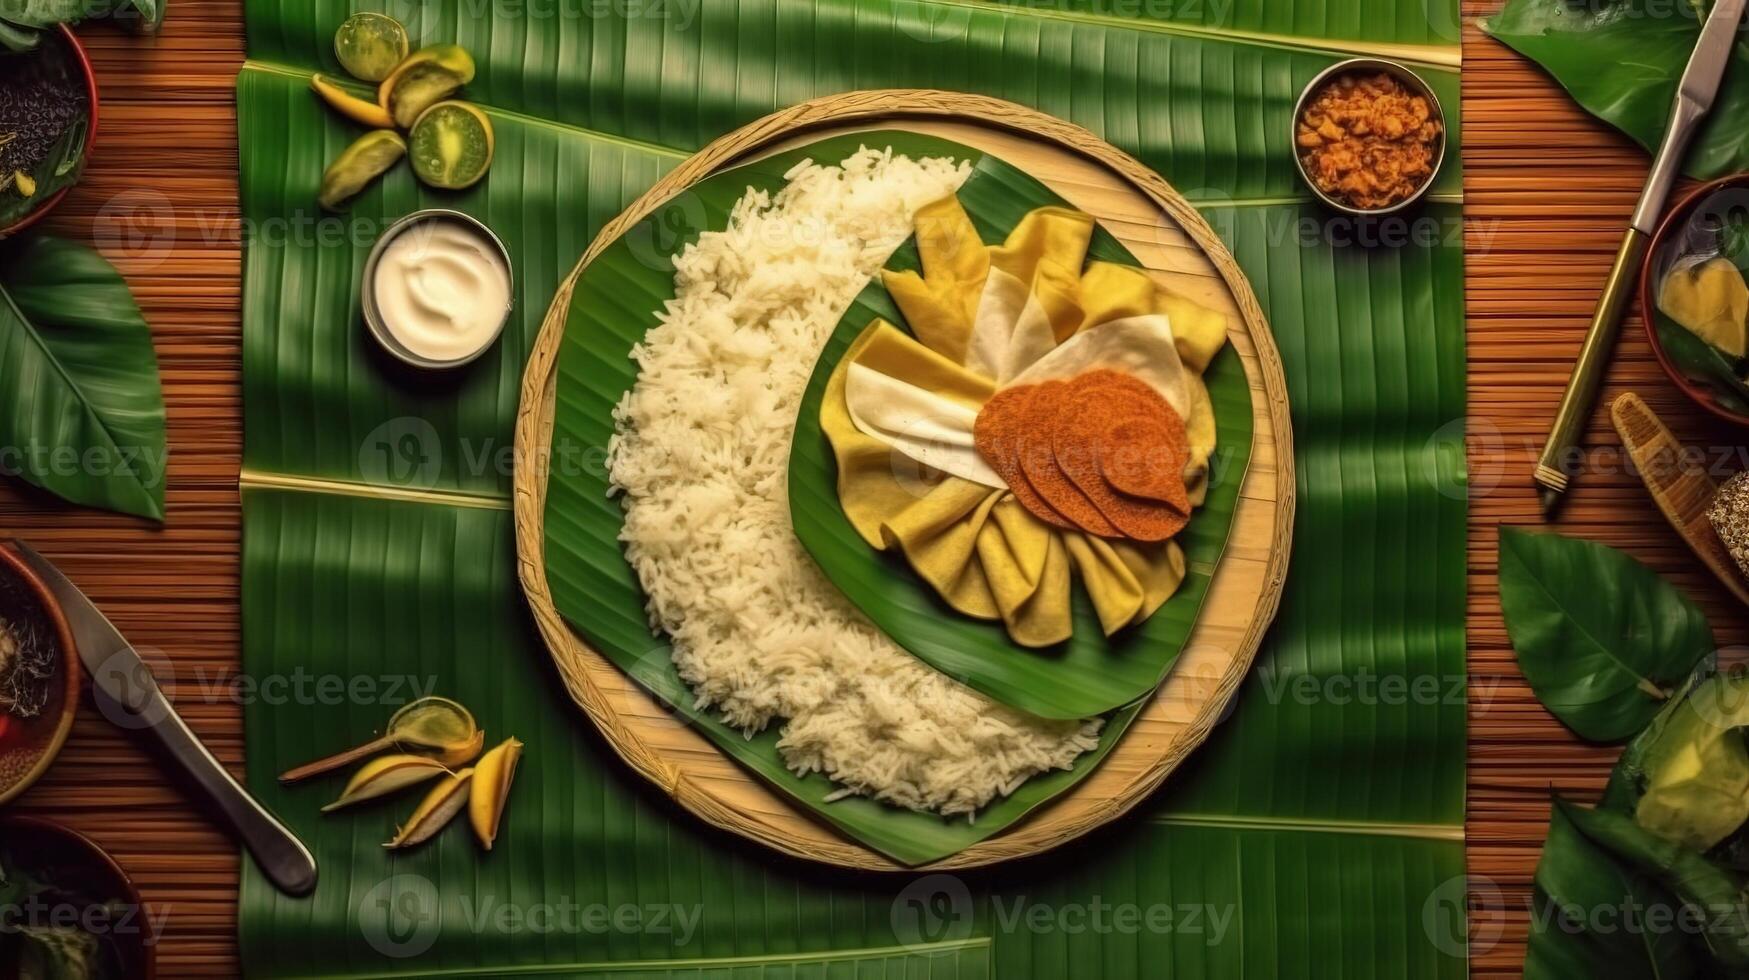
[(1247, 585)]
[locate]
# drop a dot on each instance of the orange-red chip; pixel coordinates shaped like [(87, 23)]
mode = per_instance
[(1102, 402), (1143, 449), (1102, 453), (998, 434), (1038, 461)]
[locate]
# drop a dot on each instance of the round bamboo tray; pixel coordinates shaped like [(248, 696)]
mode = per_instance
[(1170, 238)]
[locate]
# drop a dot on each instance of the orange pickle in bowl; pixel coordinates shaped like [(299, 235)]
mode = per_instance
[(1368, 140)]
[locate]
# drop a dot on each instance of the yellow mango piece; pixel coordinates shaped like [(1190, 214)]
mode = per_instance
[(358, 110), (1711, 300), (434, 813), (492, 778), (380, 777)]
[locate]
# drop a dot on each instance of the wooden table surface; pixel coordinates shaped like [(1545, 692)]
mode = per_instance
[(1547, 189)]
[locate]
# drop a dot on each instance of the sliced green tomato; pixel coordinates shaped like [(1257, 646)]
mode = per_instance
[(451, 145), (426, 78), (359, 164), (370, 46)]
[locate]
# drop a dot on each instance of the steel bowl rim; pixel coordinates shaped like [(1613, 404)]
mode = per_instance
[(1403, 73), (373, 318)]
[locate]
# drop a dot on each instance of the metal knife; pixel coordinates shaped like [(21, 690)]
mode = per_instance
[(1694, 99), (129, 696)]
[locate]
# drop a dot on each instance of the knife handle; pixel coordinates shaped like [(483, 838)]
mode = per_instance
[(1553, 467), (276, 850)]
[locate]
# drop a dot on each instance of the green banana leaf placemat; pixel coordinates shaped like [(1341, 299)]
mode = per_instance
[(1317, 833)]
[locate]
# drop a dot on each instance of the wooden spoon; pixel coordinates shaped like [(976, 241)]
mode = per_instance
[(1679, 485)]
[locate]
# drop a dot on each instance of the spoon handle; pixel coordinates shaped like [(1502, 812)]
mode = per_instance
[(335, 761), (281, 856)]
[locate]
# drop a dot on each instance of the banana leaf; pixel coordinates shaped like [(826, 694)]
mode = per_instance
[(616, 300), (1090, 674), (1323, 819), (1713, 892), (1622, 61), (1577, 882), (1602, 639), (84, 413), (1702, 363)]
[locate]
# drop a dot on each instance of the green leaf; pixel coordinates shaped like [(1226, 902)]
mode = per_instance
[(1323, 820), (615, 301), (1088, 675), (43, 13), (1622, 61), (140, 16), (19, 39), (1708, 891), (1600, 637), (84, 417), (1627, 780), (1596, 916), (1702, 363)]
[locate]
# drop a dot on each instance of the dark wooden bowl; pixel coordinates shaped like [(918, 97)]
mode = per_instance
[(1673, 222), (90, 76), (60, 713), (97, 873)]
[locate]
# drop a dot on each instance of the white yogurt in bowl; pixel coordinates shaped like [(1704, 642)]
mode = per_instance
[(437, 289)]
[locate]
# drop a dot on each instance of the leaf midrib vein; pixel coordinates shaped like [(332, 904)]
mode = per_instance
[(32, 332), (776, 959), (1439, 57), (1645, 684)]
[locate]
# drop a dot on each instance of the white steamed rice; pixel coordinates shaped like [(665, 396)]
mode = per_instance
[(702, 455)]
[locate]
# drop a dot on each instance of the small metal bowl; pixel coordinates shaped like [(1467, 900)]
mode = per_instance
[(373, 316), (1415, 83)]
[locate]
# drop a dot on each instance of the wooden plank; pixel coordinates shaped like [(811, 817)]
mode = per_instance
[(161, 201), (1547, 192)]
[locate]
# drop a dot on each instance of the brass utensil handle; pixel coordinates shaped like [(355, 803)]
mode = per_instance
[(1553, 467)]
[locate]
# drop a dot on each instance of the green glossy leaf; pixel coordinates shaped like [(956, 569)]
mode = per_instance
[(84, 414), (1323, 819), (615, 301), (43, 13), (1708, 891), (1599, 917), (1622, 61), (1702, 363), (1601, 638), (17, 39)]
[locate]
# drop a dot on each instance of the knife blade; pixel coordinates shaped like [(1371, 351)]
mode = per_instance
[(1695, 94), (128, 693)]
